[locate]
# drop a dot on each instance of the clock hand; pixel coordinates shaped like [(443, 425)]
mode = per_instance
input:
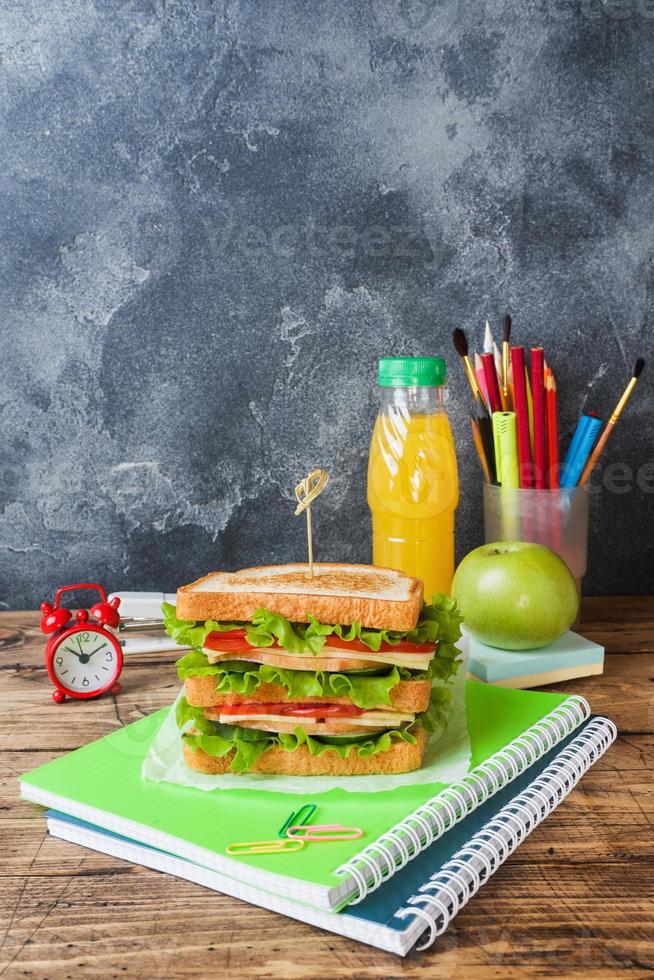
[(96, 650), (71, 650)]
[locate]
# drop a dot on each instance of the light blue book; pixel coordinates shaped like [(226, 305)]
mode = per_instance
[(570, 656)]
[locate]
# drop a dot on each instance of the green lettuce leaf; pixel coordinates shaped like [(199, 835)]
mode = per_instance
[(439, 623), (242, 677), (434, 719)]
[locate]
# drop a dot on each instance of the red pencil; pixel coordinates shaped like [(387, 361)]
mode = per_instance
[(538, 396), (552, 432), (521, 406), (493, 388)]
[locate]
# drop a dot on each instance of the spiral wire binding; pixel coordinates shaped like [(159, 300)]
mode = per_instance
[(460, 878), (393, 850)]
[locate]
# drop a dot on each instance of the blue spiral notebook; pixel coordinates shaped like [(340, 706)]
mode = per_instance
[(416, 907)]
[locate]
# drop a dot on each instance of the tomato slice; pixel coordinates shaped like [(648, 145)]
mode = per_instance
[(295, 710), (234, 642), (231, 642)]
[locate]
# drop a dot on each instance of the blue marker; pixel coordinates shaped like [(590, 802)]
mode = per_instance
[(579, 450)]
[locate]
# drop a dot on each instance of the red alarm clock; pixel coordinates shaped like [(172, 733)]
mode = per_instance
[(83, 660)]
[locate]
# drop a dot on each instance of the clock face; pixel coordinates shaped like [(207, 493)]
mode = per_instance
[(85, 661)]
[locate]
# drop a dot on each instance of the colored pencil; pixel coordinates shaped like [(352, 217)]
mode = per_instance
[(490, 347), (479, 446), (461, 346), (506, 362), (522, 417), (579, 450), (498, 360), (486, 430), (489, 343), (612, 422), (552, 432), (481, 380), (530, 410), (538, 396), (492, 386)]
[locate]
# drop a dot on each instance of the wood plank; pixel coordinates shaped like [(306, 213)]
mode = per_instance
[(622, 624), (618, 610), (151, 925), (623, 692)]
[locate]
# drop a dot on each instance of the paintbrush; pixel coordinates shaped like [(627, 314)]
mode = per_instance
[(506, 363), (461, 346), (611, 424), (490, 347)]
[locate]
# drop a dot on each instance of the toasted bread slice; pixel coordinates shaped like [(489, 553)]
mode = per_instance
[(380, 598), (200, 692), (401, 757)]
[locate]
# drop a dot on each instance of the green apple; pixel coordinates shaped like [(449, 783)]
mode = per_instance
[(515, 595)]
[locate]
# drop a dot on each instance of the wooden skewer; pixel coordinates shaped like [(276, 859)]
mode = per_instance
[(306, 492)]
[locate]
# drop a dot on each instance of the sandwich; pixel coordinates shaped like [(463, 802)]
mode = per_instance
[(343, 673)]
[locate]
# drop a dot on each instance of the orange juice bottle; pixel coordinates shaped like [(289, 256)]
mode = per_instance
[(413, 483)]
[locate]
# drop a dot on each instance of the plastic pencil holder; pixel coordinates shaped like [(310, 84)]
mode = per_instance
[(556, 518)]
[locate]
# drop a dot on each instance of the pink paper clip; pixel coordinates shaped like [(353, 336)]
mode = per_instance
[(317, 832)]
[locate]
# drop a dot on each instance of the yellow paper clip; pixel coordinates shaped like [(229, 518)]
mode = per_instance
[(265, 846), (316, 833)]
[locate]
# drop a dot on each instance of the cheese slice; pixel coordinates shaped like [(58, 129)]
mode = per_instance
[(329, 658), (380, 719), (370, 721)]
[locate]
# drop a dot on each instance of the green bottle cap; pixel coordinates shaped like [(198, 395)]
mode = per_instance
[(407, 372)]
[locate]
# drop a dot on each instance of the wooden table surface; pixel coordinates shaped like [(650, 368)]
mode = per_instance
[(576, 898)]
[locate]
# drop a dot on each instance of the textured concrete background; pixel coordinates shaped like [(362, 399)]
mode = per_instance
[(216, 216)]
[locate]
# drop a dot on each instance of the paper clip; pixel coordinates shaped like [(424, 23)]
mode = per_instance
[(303, 815), (265, 846), (316, 833)]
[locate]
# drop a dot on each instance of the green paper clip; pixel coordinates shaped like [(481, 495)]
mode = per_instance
[(302, 816)]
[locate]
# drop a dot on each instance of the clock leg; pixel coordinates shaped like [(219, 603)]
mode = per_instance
[(58, 696), (115, 688)]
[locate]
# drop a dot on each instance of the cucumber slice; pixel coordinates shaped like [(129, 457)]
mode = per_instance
[(349, 739)]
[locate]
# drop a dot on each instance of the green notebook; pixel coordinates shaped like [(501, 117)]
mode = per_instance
[(101, 783)]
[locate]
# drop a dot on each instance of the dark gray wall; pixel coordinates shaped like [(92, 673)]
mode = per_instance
[(216, 216)]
